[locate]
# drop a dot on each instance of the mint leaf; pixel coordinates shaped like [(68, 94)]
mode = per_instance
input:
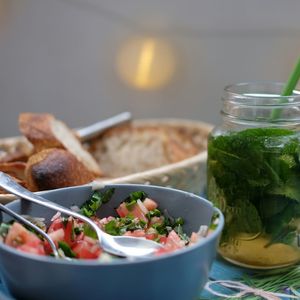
[(289, 189), (253, 176)]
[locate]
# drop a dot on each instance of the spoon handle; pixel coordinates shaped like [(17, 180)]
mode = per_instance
[(8, 184), (93, 130)]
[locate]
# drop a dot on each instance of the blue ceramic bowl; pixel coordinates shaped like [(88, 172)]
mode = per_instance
[(176, 276)]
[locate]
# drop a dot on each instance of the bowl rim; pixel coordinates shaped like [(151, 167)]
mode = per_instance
[(124, 262)]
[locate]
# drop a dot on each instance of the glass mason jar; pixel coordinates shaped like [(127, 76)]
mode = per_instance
[(253, 175)]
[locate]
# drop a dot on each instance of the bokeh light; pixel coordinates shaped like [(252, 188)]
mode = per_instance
[(146, 63)]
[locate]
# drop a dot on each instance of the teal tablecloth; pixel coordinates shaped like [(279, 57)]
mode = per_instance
[(222, 270)]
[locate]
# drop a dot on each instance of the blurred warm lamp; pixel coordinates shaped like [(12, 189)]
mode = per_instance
[(146, 63)]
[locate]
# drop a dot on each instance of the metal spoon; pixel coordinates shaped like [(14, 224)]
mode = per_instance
[(33, 226), (123, 246), (88, 132)]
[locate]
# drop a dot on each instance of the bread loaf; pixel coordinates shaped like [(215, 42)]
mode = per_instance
[(44, 132), (130, 149), (55, 168)]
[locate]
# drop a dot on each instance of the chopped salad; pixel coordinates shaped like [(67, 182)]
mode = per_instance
[(137, 216)]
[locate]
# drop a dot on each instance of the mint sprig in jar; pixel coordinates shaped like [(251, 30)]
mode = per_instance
[(253, 175)]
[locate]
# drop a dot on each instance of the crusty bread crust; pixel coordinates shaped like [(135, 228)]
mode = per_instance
[(15, 149), (16, 170), (55, 168), (44, 132), (37, 129)]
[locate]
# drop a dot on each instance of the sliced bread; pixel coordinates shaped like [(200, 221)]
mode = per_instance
[(44, 132)]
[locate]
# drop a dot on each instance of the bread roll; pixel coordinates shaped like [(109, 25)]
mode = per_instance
[(44, 132), (55, 168)]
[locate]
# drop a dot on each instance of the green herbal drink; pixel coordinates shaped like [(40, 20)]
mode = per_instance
[(254, 178)]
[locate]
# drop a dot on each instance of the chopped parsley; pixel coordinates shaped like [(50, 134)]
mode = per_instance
[(66, 249), (134, 196), (153, 213), (89, 231), (178, 229), (90, 207), (4, 228), (119, 226), (112, 228), (130, 205)]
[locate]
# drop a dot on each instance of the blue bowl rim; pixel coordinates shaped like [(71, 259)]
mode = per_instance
[(118, 262)]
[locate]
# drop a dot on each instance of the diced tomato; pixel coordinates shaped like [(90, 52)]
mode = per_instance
[(156, 220), (90, 240), (39, 249), (21, 238), (87, 250), (55, 225), (60, 230), (98, 221), (141, 233), (194, 238), (151, 236), (122, 210), (69, 232), (103, 221), (18, 235), (173, 242), (163, 239), (135, 212), (136, 233), (79, 237), (57, 235), (150, 204)]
